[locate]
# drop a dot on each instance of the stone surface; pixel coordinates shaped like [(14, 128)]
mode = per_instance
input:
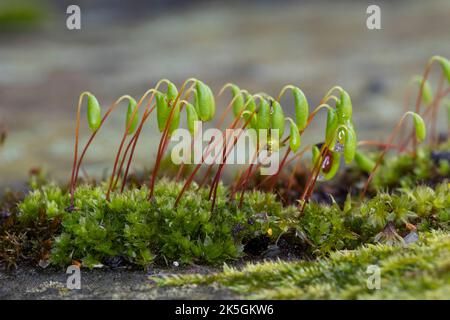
[(32, 283)]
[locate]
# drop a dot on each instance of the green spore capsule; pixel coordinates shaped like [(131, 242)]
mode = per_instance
[(130, 111), (162, 110), (294, 139), (192, 117), (277, 118), (315, 151), (175, 123), (445, 65), (172, 91), (238, 100), (349, 145), (251, 107), (93, 112), (263, 119), (330, 165), (301, 108), (344, 107), (205, 104), (447, 104), (330, 130), (427, 94), (364, 163), (419, 125)]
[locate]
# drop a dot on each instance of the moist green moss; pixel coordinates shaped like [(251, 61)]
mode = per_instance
[(144, 232), (139, 230), (416, 271), (406, 171)]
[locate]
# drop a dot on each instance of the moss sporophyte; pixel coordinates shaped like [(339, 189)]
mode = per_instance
[(194, 218)]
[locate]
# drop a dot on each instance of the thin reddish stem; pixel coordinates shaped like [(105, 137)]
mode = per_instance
[(77, 163), (381, 157)]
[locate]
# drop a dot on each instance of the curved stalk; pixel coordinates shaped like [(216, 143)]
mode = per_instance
[(381, 157), (297, 165), (77, 162), (221, 166), (219, 125), (134, 143), (125, 134), (316, 171), (197, 167)]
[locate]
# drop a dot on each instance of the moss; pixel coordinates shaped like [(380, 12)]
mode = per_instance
[(19, 14), (143, 232), (417, 271), (139, 230), (406, 171)]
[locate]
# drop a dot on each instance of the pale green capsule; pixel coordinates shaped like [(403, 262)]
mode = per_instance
[(250, 103), (419, 125), (250, 107), (294, 139), (93, 112), (301, 108), (263, 119), (192, 117), (205, 103), (448, 112), (364, 163), (330, 130), (162, 110), (344, 108), (427, 94), (238, 100), (315, 154), (175, 123), (172, 91), (445, 65), (331, 165), (349, 145), (277, 118), (130, 111)]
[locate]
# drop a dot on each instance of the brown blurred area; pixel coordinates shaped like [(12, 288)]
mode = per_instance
[(125, 47)]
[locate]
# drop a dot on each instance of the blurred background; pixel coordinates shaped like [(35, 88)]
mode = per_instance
[(125, 47)]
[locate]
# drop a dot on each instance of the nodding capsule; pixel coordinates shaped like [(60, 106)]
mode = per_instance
[(327, 161)]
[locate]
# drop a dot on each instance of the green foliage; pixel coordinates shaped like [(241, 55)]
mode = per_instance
[(140, 230), (27, 238), (324, 228), (416, 271), (404, 170), (143, 231), (20, 14), (384, 218)]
